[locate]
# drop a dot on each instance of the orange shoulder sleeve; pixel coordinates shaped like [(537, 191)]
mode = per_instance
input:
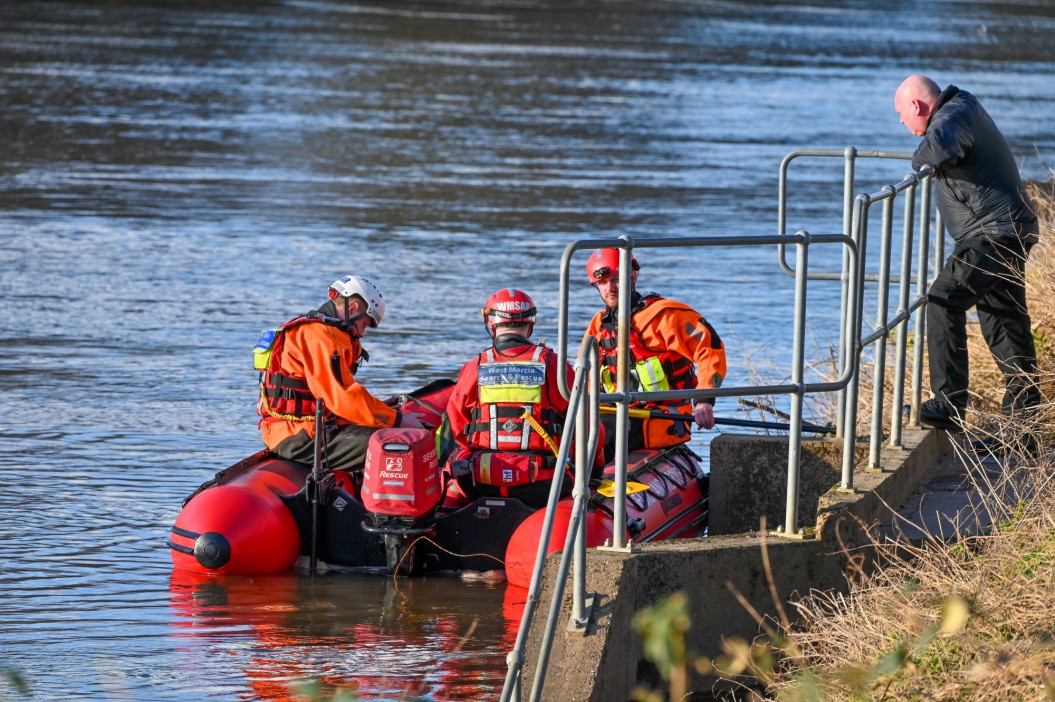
[(328, 357)]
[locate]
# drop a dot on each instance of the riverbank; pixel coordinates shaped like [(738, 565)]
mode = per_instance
[(962, 619)]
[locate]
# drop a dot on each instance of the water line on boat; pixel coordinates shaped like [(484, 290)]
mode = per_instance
[(413, 543)]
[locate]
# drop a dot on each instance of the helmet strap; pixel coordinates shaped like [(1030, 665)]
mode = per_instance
[(353, 329)]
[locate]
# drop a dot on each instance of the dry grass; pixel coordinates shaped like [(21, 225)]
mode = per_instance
[(969, 618)]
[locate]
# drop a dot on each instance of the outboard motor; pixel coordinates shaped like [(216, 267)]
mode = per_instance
[(401, 490)]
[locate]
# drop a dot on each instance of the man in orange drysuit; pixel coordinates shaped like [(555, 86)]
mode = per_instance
[(315, 356), (499, 452), (672, 347)]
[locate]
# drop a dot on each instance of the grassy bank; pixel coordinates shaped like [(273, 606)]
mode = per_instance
[(971, 619)]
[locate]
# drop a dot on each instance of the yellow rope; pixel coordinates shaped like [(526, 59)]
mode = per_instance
[(543, 433), (456, 555), (288, 417)]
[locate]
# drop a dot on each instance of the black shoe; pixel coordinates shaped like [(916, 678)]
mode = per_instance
[(940, 415)]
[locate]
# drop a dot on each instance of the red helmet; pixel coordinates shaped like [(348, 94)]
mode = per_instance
[(508, 306), (604, 263)]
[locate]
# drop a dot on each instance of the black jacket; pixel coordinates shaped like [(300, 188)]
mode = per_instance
[(980, 190)]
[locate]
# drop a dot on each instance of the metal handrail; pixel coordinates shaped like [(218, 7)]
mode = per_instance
[(584, 368), (623, 398), (849, 155), (853, 342), (588, 360)]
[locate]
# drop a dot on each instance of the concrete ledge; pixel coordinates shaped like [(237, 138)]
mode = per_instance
[(749, 477), (879, 494), (608, 662)]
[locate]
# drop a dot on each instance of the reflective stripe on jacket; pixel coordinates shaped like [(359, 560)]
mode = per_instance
[(672, 348), (671, 345), (506, 388)]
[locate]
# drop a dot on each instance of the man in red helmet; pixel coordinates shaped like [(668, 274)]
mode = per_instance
[(316, 356), (500, 453), (672, 348)]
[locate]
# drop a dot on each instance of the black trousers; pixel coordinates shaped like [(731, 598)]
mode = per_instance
[(990, 276), (344, 448), (635, 438)]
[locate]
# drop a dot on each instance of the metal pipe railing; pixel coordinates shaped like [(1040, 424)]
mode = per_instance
[(515, 658), (852, 277), (921, 291), (587, 433), (884, 324), (791, 505), (879, 365), (622, 414), (624, 398), (902, 317), (849, 156)]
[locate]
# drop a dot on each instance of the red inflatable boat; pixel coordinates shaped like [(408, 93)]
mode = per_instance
[(264, 513)]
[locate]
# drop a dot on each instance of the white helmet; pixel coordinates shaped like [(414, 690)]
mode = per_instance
[(352, 285)]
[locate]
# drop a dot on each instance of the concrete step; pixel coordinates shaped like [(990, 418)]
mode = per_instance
[(956, 500)]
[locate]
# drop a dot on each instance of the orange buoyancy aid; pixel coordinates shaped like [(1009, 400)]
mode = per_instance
[(285, 397), (507, 387), (653, 369)]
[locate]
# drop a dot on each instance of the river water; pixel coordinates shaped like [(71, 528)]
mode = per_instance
[(177, 176)]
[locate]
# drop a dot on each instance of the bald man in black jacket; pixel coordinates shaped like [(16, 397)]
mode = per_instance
[(986, 210)]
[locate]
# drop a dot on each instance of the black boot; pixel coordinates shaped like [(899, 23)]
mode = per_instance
[(941, 415)]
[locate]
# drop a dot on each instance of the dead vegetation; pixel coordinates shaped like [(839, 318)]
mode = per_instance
[(970, 617)]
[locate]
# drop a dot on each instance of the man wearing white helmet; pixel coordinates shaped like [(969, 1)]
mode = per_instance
[(315, 356)]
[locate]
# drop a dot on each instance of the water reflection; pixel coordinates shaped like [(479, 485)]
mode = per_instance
[(380, 637)]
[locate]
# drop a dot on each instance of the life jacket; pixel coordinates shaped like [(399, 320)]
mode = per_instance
[(506, 449), (284, 397), (653, 369)]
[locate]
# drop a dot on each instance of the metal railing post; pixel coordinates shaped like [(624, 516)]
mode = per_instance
[(844, 350), (515, 658), (898, 400), (879, 366), (587, 434), (921, 292), (791, 514), (853, 331), (578, 598), (622, 417)]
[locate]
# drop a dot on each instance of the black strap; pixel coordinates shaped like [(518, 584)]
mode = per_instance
[(551, 428)]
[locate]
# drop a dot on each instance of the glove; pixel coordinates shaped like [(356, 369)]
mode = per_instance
[(703, 413)]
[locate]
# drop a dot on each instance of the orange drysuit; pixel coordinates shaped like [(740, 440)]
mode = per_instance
[(670, 336), (325, 357)]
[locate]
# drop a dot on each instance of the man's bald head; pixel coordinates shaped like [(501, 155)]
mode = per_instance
[(914, 100)]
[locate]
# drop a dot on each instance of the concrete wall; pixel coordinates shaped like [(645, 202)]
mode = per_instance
[(607, 663), (749, 477)]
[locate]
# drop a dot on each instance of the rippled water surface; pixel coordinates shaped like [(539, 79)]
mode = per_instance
[(177, 176)]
